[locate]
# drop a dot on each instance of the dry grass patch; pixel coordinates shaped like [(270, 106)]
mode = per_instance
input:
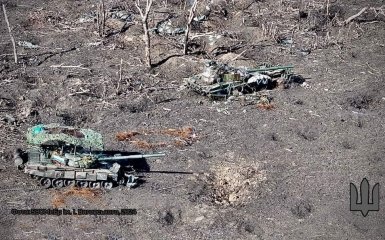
[(60, 197), (180, 137)]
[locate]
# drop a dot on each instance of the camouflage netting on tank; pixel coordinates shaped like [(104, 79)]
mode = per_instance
[(42, 134)]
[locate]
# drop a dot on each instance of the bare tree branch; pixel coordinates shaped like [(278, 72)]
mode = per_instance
[(189, 20), (10, 34), (137, 5), (355, 16), (101, 18), (146, 36)]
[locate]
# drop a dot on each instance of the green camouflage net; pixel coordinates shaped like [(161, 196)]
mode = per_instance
[(42, 134)]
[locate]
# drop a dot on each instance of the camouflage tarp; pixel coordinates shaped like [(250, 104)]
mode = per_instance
[(41, 134)]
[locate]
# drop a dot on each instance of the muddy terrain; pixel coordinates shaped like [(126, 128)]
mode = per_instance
[(232, 170)]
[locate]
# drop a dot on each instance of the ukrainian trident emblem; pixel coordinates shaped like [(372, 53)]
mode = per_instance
[(364, 206)]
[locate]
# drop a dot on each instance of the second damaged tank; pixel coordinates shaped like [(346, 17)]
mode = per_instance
[(60, 156), (221, 80)]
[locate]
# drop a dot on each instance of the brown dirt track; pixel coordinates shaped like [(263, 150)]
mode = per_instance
[(282, 173)]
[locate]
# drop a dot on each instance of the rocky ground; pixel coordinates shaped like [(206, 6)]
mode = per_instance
[(246, 172)]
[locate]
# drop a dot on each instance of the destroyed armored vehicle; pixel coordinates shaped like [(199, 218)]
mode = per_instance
[(222, 80), (60, 156)]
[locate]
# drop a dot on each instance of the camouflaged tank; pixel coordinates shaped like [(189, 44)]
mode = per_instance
[(60, 156)]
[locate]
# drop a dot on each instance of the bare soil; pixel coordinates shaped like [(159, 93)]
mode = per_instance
[(249, 172)]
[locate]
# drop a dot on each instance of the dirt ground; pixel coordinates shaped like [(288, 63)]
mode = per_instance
[(248, 173)]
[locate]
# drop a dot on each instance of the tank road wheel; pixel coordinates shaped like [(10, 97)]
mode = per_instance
[(107, 185), (46, 182), (82, 184), (58, 183), (69, 182), (95, 185)]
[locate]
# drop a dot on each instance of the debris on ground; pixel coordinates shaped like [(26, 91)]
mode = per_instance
[(87, 18), (264, 103), (60, 197), (265, 106), (117, 19), (27, 45), (204, 15), (220, 80), (169, 216), (9, 119), (166, 27), (262, 98), (25, 109), (181, 137), (121, 14), (114, 13)]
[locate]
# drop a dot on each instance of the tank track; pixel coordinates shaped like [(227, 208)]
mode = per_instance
[(46, 182)]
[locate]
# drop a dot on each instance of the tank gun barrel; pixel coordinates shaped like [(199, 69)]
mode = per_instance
[(131, 157), (270, 69)]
